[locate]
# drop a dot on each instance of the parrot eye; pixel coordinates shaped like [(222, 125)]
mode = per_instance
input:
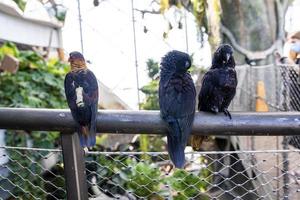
[(187, 64)]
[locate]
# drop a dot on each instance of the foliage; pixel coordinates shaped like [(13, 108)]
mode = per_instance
[(151, 89), (153, 69), (21, 4), (187, 185), (60, 12), (199, 11), (198, 7), (144, 180), (151, 103), (37, 84), (123, 175)]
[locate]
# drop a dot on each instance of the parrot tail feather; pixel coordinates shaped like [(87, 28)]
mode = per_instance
[(176, 146), (87, 137)]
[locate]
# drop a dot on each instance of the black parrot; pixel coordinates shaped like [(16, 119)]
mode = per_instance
[(218, 86), (219, 83), (177, 95), (81, 90)]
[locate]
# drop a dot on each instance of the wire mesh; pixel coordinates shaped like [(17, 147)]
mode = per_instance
[(207, 175), (31, 173), (281, 84), (282, 93), (290, 87)]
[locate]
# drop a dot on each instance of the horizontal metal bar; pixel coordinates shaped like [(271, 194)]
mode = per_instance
[(156, 153), (149, 122)]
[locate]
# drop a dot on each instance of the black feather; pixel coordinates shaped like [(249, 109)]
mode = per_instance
[(177, 102), (85, 113), (219, 83)]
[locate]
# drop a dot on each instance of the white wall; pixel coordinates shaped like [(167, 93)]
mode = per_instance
[(24, 31)]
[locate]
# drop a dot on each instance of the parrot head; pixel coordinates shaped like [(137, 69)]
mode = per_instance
[(176, 61), (77, 61), (224, 52)]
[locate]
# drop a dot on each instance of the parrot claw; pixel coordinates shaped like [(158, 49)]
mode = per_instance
[(227, 113), (214, 109)]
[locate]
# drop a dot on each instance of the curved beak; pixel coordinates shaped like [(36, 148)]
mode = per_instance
[(227, 57)]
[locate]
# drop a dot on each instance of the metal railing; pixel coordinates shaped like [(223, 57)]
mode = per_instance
[(130, 168), (149, 122)]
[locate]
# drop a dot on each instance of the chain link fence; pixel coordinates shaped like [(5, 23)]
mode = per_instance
[(281, 84), (28, 173), (31, 173), (282, 93), (290, 87)]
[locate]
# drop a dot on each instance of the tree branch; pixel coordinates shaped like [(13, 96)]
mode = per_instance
[(252, 55), (148, 11)]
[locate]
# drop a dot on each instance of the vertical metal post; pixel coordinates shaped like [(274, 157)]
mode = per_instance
[(74, 167), (135, 55), (285, 170), (80, 25), (186, 32), (277, 82)]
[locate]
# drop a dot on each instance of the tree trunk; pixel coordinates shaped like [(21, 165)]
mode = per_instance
[(252, 23), (256, 26)]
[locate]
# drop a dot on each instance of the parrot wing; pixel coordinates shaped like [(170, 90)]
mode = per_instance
[(206, 92), (81, 90), (177, 104)]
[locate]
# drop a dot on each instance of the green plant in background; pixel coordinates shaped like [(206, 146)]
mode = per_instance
[(144, 180), (187, 185), (21, 4), (37, 84), (57, 10), (151, 89), (60, 12), (123, 174), (111, 171), (151, 143)]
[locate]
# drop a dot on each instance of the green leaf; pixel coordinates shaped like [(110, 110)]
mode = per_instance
[(9, 48)]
